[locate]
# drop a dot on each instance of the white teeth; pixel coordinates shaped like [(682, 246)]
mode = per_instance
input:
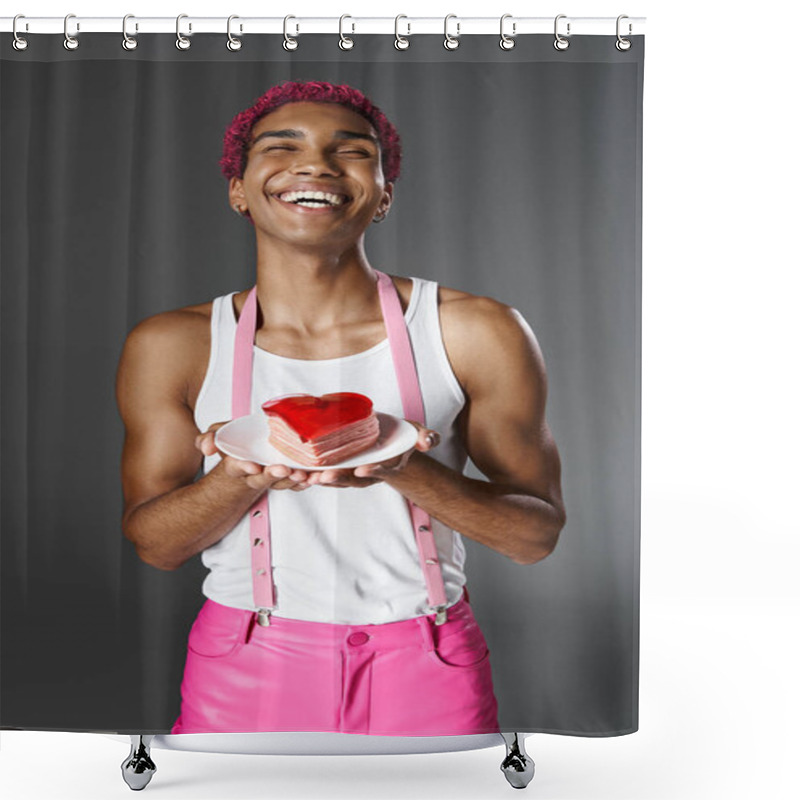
[(320, 198)]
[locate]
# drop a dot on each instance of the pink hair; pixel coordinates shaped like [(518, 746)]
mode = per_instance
[(237, 136)]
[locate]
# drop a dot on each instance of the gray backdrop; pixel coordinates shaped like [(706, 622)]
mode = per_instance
[(521, 180)]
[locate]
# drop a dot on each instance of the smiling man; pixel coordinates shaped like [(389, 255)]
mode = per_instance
[(336, 598)]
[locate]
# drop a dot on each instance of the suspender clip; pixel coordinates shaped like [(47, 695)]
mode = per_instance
[(441, 615), (263, 616)]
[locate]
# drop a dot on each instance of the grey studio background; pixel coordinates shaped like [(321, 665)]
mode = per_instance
[(521, 180)]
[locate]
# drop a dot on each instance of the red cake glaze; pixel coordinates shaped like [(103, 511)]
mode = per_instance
[(314, 417)]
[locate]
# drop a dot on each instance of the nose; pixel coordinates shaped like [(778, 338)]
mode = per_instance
[(314, 162)]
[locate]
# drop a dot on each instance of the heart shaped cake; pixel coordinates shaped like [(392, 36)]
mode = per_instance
[(319, 431)]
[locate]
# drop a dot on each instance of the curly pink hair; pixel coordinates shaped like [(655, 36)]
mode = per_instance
[(237, 136)]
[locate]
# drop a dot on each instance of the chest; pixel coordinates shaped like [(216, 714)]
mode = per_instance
[(340, 341)]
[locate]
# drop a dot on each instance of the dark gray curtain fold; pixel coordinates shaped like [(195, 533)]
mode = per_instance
[(521, 180)]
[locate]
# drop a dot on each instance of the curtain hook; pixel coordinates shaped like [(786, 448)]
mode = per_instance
[(19, 43), (623, 44), (560, 42), (233, 43), (182, 43), (400, 42), (345, 42), (129, 42), (288, 42), (451, 42), (70, 42), (507, 42)]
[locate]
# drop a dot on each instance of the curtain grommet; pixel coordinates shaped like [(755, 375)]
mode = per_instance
[(19, 42), (401, 42), (507, 41), (182, 43), (451, 42), (70, 42), (129, 42), (622, 44), (289, 43), (345, 42), (233, 44)]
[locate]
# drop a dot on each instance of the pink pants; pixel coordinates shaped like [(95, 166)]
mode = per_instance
[(408, 678)]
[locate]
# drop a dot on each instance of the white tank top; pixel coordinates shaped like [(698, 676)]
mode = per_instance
[(346, 556)]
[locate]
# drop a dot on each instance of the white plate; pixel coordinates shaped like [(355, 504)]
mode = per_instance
[(247, 438)]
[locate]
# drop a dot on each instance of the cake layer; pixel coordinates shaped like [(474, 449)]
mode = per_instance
[(337, 446)]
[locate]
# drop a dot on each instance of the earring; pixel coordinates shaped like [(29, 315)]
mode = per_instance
[(380, 218), (238, 210)]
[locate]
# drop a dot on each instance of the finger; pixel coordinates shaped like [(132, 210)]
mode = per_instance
[(205, 441), (367, 471), (288, 483), (329, 476), (237, 467), (427, 439), (205, 444), (278, 471)]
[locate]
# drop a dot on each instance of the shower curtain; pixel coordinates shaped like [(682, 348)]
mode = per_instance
[(521, 182)]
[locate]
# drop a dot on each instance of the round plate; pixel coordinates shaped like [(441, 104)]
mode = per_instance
[(247, 438)]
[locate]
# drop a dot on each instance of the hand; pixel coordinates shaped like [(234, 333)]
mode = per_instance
[(256, 476), (369, 474)]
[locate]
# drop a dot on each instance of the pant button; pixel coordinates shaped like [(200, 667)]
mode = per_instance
[(358, 638)]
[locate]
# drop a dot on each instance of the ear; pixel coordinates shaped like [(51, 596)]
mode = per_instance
[(386, 200), (236, 194)]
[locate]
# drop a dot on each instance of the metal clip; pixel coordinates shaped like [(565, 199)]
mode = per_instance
[(401, 42), (345, 42), (622, 44), (288, 42), (70, 42), (507, 42), (233, 44), (441, 615), (263, 616), (19, 43), (451, 42), (182, 43), (560, 43)]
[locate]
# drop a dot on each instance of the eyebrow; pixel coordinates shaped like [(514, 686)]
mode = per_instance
[(293, 133)]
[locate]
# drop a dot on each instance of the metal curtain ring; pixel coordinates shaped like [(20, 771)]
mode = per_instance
[(70, 42), (506, 41), (233, 43), (400, 42), (288, 42), (345, 42), (128, 42), (19, 43), (623, 44), (182, 43), (451, 42), (560, 42)]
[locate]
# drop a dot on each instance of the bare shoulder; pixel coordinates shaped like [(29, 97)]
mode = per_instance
[(172, 328), (486, 339), (169, 350)]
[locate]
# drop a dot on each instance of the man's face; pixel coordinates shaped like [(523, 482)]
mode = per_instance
[(299, 150)]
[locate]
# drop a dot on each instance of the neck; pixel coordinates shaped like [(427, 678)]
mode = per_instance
[(313, 289)]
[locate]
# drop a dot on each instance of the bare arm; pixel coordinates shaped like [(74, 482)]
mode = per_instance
[(167, 515), (520, 511)]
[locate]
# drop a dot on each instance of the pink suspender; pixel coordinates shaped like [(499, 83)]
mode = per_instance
[(413, 409), (406, 371), (258, 513)]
